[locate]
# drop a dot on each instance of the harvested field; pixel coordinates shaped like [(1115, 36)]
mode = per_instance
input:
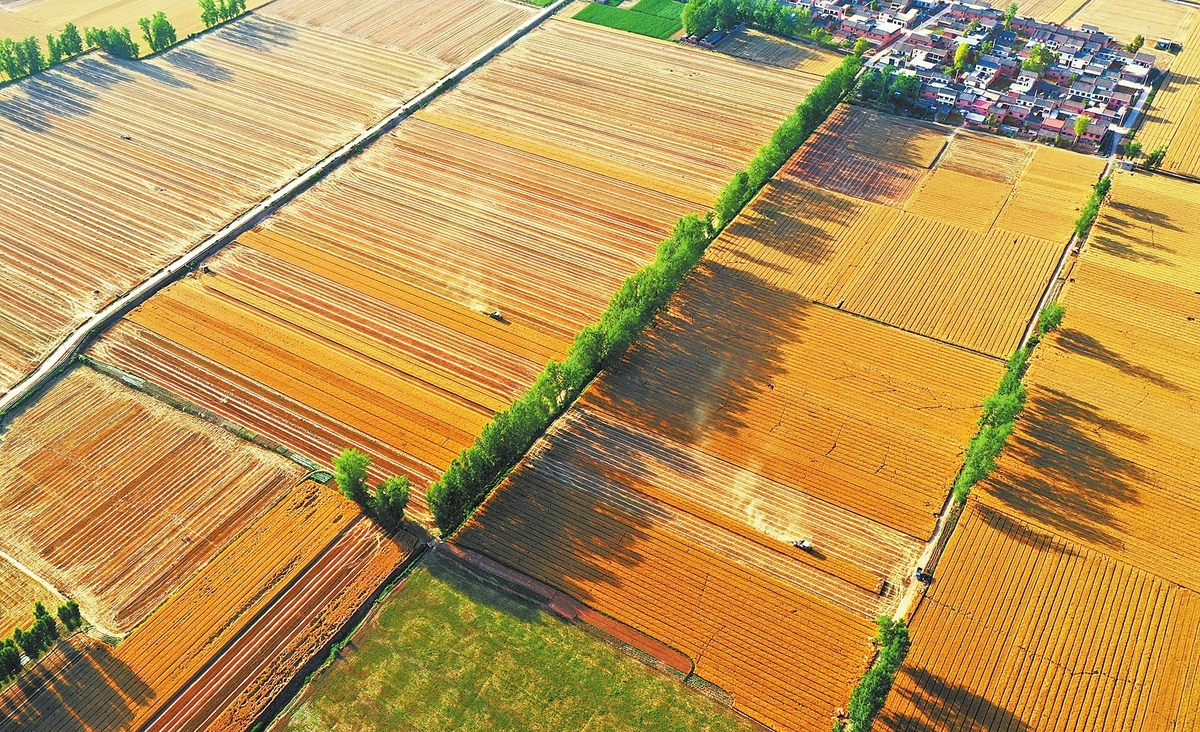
[(451, 33), (1173, 120), (754, 45), (986, 156), (669, 496), (1024, 630), (150, 157), (1050, 193), (167, 491), (1109, 420), (453, 651), (52, 15), (187, 632), (1050, 11), (357, 314), (1125, 19), (552, 95), (18, 593), (830, 227)]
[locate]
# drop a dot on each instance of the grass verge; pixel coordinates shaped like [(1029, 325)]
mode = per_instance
[(448, 652), (643, 24)]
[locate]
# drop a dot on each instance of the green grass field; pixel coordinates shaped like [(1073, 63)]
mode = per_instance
[(644, 24), (446, 651), (662, 8)]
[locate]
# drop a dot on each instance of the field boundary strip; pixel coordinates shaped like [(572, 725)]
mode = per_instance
[(74, 343)]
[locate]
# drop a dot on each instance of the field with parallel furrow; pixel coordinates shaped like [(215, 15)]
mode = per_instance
[(1068, 596), (290, 582), (450, 33), (745, 420), (1024, 630), (357, 315), (959, 252), (1173, 120), (168, 490), (18, 593), (45, 16), (150, 157)]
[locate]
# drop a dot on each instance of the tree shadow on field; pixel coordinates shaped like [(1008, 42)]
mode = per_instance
[(792, 219), (719, 347), (485, 589), (33, 103), (76, 686), (1059, 471), (1127, 231), (193, 61), (1023, 533), (258, 33), (940, 704), (1082, 344)]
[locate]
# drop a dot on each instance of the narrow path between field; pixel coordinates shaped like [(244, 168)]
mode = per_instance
[(80, 338)]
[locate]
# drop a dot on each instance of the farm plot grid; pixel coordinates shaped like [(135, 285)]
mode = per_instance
[(716, 443), (278, 593), (150, 157), (115, 498), (1173, 120), (1024, 630), (1084, 529), (906, 224), (358, 315)]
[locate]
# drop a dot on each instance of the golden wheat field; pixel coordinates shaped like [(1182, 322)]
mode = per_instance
[(1024, 630), (51, 15), (1174, 118), (358, 314), (1067, 597), (18, 593), (1124, 19), (150, 157), (858, 220), (115, 498)]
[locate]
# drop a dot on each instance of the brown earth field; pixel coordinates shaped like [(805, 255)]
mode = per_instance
[(116, 499), (217, 652), (150, 157), (747, 419), (1067, 597), (908, 224), (357, 316)]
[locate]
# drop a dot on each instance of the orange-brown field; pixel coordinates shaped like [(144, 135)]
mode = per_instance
[(1068, 597), (1174, 117), (357, 315), (277, 593), (115, 498), (1024, 630), (150, 157), (747, 419), (859, 221)]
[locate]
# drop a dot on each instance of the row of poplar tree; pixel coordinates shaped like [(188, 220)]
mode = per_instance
[(21, 58)]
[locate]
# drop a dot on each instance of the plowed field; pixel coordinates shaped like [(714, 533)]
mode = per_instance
[(1067, 599), (1174, 118), (948, 266), (130, 682), (670, 496), (755, 45), (52, 15), (18, 593), (116, 499), (150, 157), (1024, 630), (356, 316)]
